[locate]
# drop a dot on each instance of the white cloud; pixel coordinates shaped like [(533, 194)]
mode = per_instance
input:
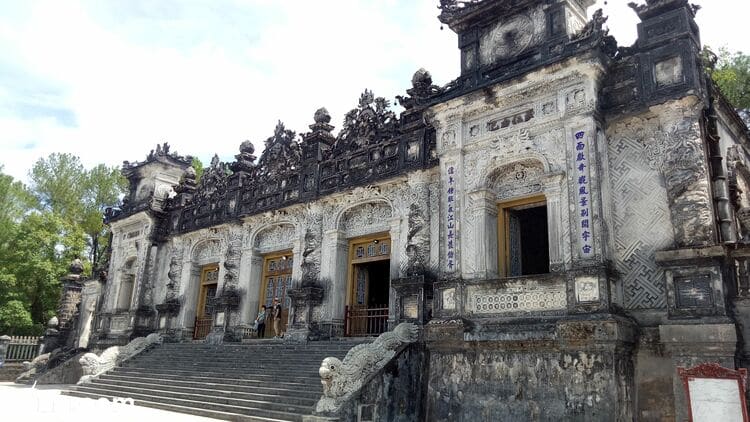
[(205, 76)]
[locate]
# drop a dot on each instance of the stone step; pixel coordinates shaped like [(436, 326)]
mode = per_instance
[(266, 374), (192, 408), (197, 378), (265, 367), (289, 360), (169, 384), (276, 403), (298, 378), (255, 409)]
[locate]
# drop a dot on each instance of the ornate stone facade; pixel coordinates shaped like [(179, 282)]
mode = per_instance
[(563, 205)]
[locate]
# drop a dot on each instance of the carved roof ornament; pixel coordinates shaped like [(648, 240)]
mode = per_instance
[(655, 7), (245, 159), (422, 89), (321, 129), (282, 153), (370, 123)]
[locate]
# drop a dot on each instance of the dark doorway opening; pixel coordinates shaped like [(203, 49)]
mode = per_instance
[(529, 243), (377, 283)]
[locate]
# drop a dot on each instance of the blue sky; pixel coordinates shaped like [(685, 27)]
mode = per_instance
[(108, 79)]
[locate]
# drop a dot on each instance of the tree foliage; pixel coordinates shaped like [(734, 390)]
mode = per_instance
[(732, 75)]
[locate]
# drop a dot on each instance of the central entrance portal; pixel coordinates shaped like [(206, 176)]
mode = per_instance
[(370, 283)]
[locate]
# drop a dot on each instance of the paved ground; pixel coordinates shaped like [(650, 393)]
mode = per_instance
[(45, 403)]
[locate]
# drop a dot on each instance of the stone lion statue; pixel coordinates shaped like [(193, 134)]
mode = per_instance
[(342, 378)]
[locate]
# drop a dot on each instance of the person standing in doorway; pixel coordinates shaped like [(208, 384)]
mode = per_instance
[(261, 322), (276, 314)]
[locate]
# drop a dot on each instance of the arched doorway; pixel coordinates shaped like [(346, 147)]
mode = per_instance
[(369, 286)]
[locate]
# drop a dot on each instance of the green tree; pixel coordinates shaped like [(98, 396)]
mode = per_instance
[(198, 166), (732, 75), (64, 187)]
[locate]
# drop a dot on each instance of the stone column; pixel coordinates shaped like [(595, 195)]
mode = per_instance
[(250, 283), (691, 345), (188, 293), (483, 247)]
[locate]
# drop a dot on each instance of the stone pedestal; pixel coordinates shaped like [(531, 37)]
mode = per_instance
[(413, 299), (692, 345), (167, 313), (144, 322), (302, 327)]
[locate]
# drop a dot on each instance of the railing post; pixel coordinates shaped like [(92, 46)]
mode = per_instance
[(346, 321)]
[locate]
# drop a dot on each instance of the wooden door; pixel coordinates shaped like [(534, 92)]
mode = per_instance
[(204, 311)]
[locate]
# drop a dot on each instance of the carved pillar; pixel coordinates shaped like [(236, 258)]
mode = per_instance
[(334, 259), (483, 246), (553, 193), (398, 248)]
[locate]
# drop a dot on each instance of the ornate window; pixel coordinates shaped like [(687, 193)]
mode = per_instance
[(523, 244), (125, 295)]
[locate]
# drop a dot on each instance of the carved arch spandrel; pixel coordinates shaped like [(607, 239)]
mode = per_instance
[(275, 236), (207, 251), (366, 217), (516, 179)]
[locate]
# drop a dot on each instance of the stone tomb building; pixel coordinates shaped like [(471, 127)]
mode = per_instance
[(567, 219)]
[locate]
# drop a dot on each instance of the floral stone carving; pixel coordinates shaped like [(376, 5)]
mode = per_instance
[(341, 379)]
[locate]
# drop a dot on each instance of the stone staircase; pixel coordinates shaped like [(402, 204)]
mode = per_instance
[(265, 380)]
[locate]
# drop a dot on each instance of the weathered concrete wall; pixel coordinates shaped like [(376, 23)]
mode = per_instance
[(564, 370)]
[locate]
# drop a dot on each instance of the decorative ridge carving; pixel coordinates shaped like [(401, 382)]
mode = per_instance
[(160, 153), (370, 123), (656, 7), (281, 154), (213, 181)]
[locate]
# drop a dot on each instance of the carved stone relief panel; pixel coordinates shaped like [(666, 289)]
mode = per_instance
[(367, 218)]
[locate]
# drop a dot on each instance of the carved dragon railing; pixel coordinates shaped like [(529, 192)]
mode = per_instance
[(343, 380)]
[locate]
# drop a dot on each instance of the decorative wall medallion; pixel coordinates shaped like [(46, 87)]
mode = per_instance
[(506, 38), (587, 289), (474, 131)]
